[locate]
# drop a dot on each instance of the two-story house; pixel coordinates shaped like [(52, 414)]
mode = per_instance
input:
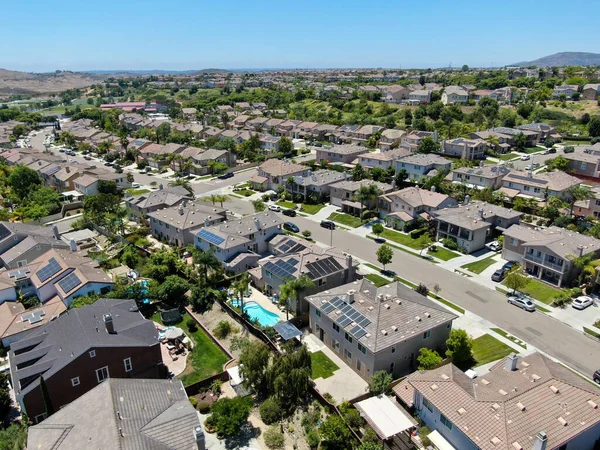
[(275, 172), (522, 403), (473, 223), (317, 183), (373, 329), (482, 177), (419, 97), (412, 140), (540, 185), (343, 195), (455, 95), (140, 205), (382, 160), (390, 139), (421, 165), (589, 207), (548, 254), (81, 349), (344, 154), (543, 130), (470, 149), (568, 90), (591, 91), (586, 163)]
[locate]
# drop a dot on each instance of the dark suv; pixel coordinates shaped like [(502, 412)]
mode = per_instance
[(289, 212), (328, 224), (597, 376)]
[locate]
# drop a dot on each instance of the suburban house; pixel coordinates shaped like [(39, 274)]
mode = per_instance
[(323, 132), (469, 149), (201, 159), (589, 207), (275, 172), (531, 136), (140, 205), (269, 144), (29, 249), (396, 94), (362, 135), (81, 349), (548, 254), (543, 130), (326, 268), (420, 97), (422, 165), (505, 142), (522, 403), (128, 414), (455, 95), (473, 223), (344, 133), (401, 208), (156, 154), (390, 139), (539, 185), (189, 113), (382, 160), (317, 183), (343, 195), (568, 90), (586, 163), (88, 182), (11, 234), (238, 244), (179, 224), (345, 154), (412, 140), (482, 177), (375, 329), (591, 91)]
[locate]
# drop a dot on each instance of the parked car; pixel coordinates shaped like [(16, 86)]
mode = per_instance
[(528, 167), (135, 185), (226, 176), (551, 150), (495, 246), (290, 226), (108, 164), (509, 265), (275, 208), (525, 158), (545, 152), (88, 158), (498, 275), (289, 212), (582, 302), (597, 376), (522, 302), (328, 224)]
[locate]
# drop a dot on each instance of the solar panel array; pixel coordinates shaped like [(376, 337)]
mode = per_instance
[(210, 237), (19, 274), (49, 270), (33, 317), (348, 315), (291, 246), (282, 269), (69, 282), (323, 268)]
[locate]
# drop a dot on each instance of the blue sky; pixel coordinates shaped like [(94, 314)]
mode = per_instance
[(185, 34)]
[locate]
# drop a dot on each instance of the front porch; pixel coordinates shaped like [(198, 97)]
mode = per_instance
[(548, 275)]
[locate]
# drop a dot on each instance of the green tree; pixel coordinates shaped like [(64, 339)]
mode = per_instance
[(594, 126), (173, 290), (401, 177), (367, 193), (358, 173), (163, 131), (577, 193), (424, 242), (5, 400), (23, 180), (295, 288), (182, 183), (228, 415), (206, 261), (254, 362), (286, 147), (380, 383), (428, 359), (428, 145), (290, 376), (559, 163), (520, 140), (130, 177), (274, 438), (19, 130), (459, 347), (515, 280), (377, 229), (385, 255), (259, 205), (241, 287), (14, 437), (335, 434), (369, 446), (35, 212)]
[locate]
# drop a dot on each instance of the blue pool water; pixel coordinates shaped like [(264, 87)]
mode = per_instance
[(255, 311), (161, 333)]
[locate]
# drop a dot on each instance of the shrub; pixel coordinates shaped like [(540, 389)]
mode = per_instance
[(215, 387), (270, 411), (313, 439), (417, 233), (274, 438), (222, 329), (191, 325), (576, 292), (422, 289), (329, 398), (371, 436), (203, 407), (193, 401), (307, 234), (450, 244), (353, 419)]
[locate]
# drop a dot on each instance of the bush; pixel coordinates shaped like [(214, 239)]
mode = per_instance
[(222, 329), (450, 244), (274, 438), (353, 419), (192, 326), (203, 407), (415, 234), (307, 234), (371, 436), (270, 411), (313, 439), (422, 289), (193, 401)]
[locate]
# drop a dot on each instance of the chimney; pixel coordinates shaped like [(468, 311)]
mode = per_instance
[(180, 210), (480, 210), (541, 441), (73, 245), (68, 169), (349, 269), (580, 248), (350, 295), (200, 438), (56, 233), (108, 323), (511, 362), (257, 223), (467, 199), (160, 187), (432, 189), (206, 222)]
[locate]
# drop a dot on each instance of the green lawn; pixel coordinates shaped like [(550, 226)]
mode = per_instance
[(444, 254), (507, 156), (322, 366), (399, 238), (135, 192), (487, 348), (377, 280), (489, 161), (288, 205), (479, 266), (345, 219), (540, 291), (311, 209), (592, 332), (245, 192), (447, 303), (529, 150), (503, 333)]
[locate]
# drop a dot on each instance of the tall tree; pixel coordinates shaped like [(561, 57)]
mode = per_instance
[(241, 286), (366, 193), (295, 288), (24, 180), (428, 145), (182, 183), (254, 362), (385, 255), (578, 193), (206, 261)]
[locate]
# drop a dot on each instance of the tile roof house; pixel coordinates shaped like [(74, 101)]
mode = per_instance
[(140, 205), (540, 185), (390, 139), (345, 154), (128, 414), (522, 403), (548, 254), (317, 183), (586, 162), (343, 194), (275, 172), (473, 223), (11, 234), (422, 165), (382, 160), (455, 95), (373, 329), (29, 249), (412, 140), (591, 91), (469, 149), (568, 90), (482, 177), (81, 349)]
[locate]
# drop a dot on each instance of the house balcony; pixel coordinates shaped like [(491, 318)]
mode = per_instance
[(561, 268)]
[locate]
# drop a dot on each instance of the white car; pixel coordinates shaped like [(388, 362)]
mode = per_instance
[(528, 167), (495, 246), (135, 185), (275, 208), (582, 302), (525, 158)]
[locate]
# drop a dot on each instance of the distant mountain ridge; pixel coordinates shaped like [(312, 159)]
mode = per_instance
[(13, 82), (564, 59), (155, 72)]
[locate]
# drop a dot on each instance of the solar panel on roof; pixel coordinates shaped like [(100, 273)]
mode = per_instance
[(49, 270), (69, 282), (210, 237), (344, 321), (358, 332), (19, 274), (327, 308)]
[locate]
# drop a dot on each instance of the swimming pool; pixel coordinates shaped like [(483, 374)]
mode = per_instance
[(161, 332), (256, 311)]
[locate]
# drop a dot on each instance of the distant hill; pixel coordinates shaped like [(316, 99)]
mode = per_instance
[(156, 72), (564, 59), (24, 83)]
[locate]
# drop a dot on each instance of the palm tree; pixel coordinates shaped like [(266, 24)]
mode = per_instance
[(290, 182), (586, 266), (520, 141), (366, 193), (294, 288), (182, 183), (207, 261), (187, 166), (221, 199), (493, 142), (240, 287), (577, 193)]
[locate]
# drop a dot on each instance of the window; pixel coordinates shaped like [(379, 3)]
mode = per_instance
[(427, 404), (536, 190), (392, 365), (348, 337), (427, 334), (336, 327), (393, 349), (92, 353), (513, 241), (322, 282), (445, 421), (75, 381), (362, 349), (127, 364), (102, 374), (526, 188), (335, 344), (318, 313), (583, 165), (347, 354), (40, 417)]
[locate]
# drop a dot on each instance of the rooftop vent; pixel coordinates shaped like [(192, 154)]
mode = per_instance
[(384, 332), (517, 446), (562, 421), (428, 315), (433, 387), (554, 389), (502, 392), (496, 406), (418, 319), (394, 327), (398, 301), (535, 377), (445, 377), (521, 406), (484, 381), (495, 440), (386, 306), (593, 404), (461, 411)]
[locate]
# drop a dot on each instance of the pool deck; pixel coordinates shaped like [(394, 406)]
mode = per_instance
[(265, 302), (176, 366)]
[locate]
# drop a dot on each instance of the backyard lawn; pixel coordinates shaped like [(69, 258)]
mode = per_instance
[(479, 266), (288, 205), (444, 254), (487, 348), (322, 366), (311, 209), (345, 219), (377, 280)]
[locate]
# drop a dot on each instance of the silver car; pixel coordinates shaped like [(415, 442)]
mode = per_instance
[(522, 302)]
